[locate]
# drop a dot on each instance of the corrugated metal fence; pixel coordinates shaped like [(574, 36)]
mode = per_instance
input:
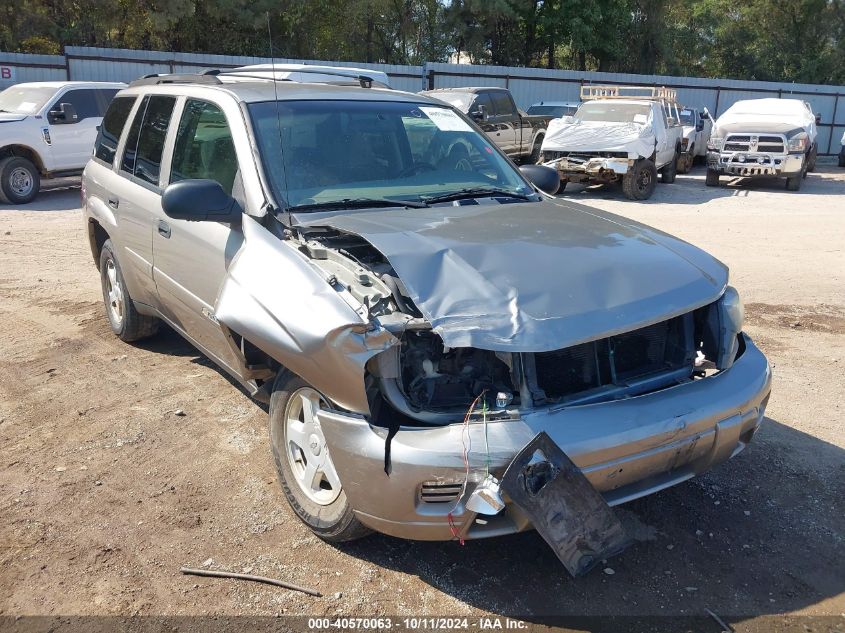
[(528, 85)]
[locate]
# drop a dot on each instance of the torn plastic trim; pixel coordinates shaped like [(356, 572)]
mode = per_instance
[(273, 296)]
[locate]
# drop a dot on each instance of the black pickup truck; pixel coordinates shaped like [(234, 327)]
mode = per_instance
[(518, 134)]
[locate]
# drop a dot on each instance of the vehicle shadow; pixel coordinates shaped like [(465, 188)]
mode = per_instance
[(61, 194), (690, 188), (759, 535)]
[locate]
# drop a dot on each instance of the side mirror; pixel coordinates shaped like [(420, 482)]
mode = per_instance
[(818, 119), (480, 114), (700, 125), (63, 113), (546, 179), (671, 121), (199, 200)]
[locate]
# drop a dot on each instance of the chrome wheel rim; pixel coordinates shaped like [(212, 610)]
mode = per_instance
[(305, 447), (21, 181), (114, 292)]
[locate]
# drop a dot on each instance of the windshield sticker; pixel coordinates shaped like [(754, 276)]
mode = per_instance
[(446, 120), (686, 112)]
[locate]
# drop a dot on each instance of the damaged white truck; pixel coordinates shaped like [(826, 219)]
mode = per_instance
[(326, 247), (621, 134), (764, 138)]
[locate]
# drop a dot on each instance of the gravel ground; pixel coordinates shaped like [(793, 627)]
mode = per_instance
[(105, 492)]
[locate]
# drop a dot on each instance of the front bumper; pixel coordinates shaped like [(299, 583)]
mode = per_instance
[(750, 164), (599, 168), (626, 449)]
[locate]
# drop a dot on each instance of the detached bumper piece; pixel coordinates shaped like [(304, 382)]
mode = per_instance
[(567, 511)]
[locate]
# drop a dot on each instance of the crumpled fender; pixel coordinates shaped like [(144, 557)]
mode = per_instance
[(275, 298)]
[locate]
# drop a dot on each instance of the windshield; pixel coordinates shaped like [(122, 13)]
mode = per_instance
[(21, 100), (553, 110), (687, 117), (611, 112), (324, 152)]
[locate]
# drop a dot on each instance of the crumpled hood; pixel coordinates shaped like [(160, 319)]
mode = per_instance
[(599, 136), (534, 277), (6, 117)]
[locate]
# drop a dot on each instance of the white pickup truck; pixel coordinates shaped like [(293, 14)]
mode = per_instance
[(763, 138), (47, 129), (619, 133), (697, 126)]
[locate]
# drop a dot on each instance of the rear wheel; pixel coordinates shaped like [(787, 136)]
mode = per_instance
[(712, 178), (303, 461), (19, 180), (125, 321), (639, 182)]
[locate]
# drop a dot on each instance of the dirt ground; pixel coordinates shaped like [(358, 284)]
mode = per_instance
[(105, 492)]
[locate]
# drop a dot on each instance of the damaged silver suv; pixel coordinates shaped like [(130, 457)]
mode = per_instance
[(411, 306)]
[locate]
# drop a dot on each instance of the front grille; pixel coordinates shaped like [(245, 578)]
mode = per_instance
[(440, 492), (745, 143), (617, 361), (583, 155)]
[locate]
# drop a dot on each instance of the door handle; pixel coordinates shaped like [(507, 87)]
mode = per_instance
[(163, 228), (114, 203)]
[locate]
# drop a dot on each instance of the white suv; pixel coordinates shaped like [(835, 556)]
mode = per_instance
[(48, 129)]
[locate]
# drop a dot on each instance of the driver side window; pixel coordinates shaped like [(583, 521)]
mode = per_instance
[(204, 146)]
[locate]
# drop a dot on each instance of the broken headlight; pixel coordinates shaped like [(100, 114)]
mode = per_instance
[(731, 318)]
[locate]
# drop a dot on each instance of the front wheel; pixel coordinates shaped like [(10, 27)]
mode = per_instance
[(670, 170), (712, 178), (19, 180), (811, 159), (793, 183), (304, 464), (639, 182)]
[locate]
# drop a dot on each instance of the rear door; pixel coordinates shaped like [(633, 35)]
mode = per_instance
[(137, 194), (190, 259)]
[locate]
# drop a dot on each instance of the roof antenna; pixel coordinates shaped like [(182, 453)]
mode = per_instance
[(278, 114)]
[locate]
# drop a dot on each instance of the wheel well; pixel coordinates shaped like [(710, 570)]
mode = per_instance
[(97, 236), (24, 152)]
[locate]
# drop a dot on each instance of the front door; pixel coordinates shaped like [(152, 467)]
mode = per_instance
[(72, 140), (190, 259)]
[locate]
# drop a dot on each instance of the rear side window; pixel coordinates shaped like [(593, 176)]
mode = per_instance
[(204, 146), (104, 97), (111, 127), (145, 143)]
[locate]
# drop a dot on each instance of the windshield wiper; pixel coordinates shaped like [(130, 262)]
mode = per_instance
[(356, 203), (474, 192)]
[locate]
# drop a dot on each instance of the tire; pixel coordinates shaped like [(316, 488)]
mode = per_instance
[(670, 170), (712, 178), (842, 159), (325, 510), (562, 187), (639, 183), (125, 321), (685, 161), (793, 183), (811, 160), (534, 158), (19, 180)]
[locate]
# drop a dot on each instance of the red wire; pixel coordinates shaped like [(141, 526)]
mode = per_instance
[(452, 527)]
